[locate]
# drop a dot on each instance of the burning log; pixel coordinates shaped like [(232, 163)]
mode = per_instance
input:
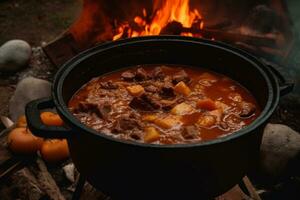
[(173, 28), (176, 28), (233, 37), (221, 25)]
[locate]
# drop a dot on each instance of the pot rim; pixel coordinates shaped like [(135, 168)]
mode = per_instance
[(62, 108)]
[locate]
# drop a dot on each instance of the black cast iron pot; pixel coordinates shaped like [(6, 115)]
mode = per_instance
[(128, 170)]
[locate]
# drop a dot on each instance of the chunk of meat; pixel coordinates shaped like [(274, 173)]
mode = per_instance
[(181, 76), (223, 125), (101, 110), (86, 107), (128, 76), (104, 110), (126, 123), (151, 135), (144, 103), (109, 85), (182, 88), (151, 88), (158, 73), (206, 104), (190, 132), (136, 135), (247, 109), (141, 75), (167, 91), (135, 90)]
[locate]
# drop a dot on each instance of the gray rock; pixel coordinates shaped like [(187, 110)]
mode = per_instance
[(280, 145), (69, 171), (27, 90), (14, 55)]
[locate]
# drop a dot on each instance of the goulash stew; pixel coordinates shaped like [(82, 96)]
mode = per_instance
[(164, 105)]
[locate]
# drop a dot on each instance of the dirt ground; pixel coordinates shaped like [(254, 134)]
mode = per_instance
[(36, 21), (5, 94)]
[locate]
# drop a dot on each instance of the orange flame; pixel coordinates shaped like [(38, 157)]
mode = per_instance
[(171, 10)]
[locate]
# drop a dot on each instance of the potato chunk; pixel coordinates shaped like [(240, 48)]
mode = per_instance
[(206, 104), (149, 118), (207, 121), (151, 134), (182, 88), (167, 122), (182, 109), (136, 90)]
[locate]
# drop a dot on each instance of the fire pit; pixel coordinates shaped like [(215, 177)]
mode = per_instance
[(262, 28)]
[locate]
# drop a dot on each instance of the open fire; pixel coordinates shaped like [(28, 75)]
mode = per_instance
[(170, 12), (261, 27)]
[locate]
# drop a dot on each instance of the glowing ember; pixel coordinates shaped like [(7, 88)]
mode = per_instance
[(171, 11)]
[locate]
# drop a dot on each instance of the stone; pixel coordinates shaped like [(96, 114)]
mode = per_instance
[(14, 55), (27, 90), (263, 19), (280, 145), (69, 171)]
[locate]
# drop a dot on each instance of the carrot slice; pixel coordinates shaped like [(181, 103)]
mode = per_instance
[(207, 104)]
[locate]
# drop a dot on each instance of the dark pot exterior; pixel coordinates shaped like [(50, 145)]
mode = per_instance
[(130, 172), (127, 170)]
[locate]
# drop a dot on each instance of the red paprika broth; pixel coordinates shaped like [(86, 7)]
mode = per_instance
[(164, 105)]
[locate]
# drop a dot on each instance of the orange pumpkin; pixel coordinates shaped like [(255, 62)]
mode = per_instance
[(55, 150), (22, 122), (51, 119), (22, 141)]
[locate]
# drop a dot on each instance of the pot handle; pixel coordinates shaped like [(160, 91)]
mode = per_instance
[(286, 84), (34, 122)]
